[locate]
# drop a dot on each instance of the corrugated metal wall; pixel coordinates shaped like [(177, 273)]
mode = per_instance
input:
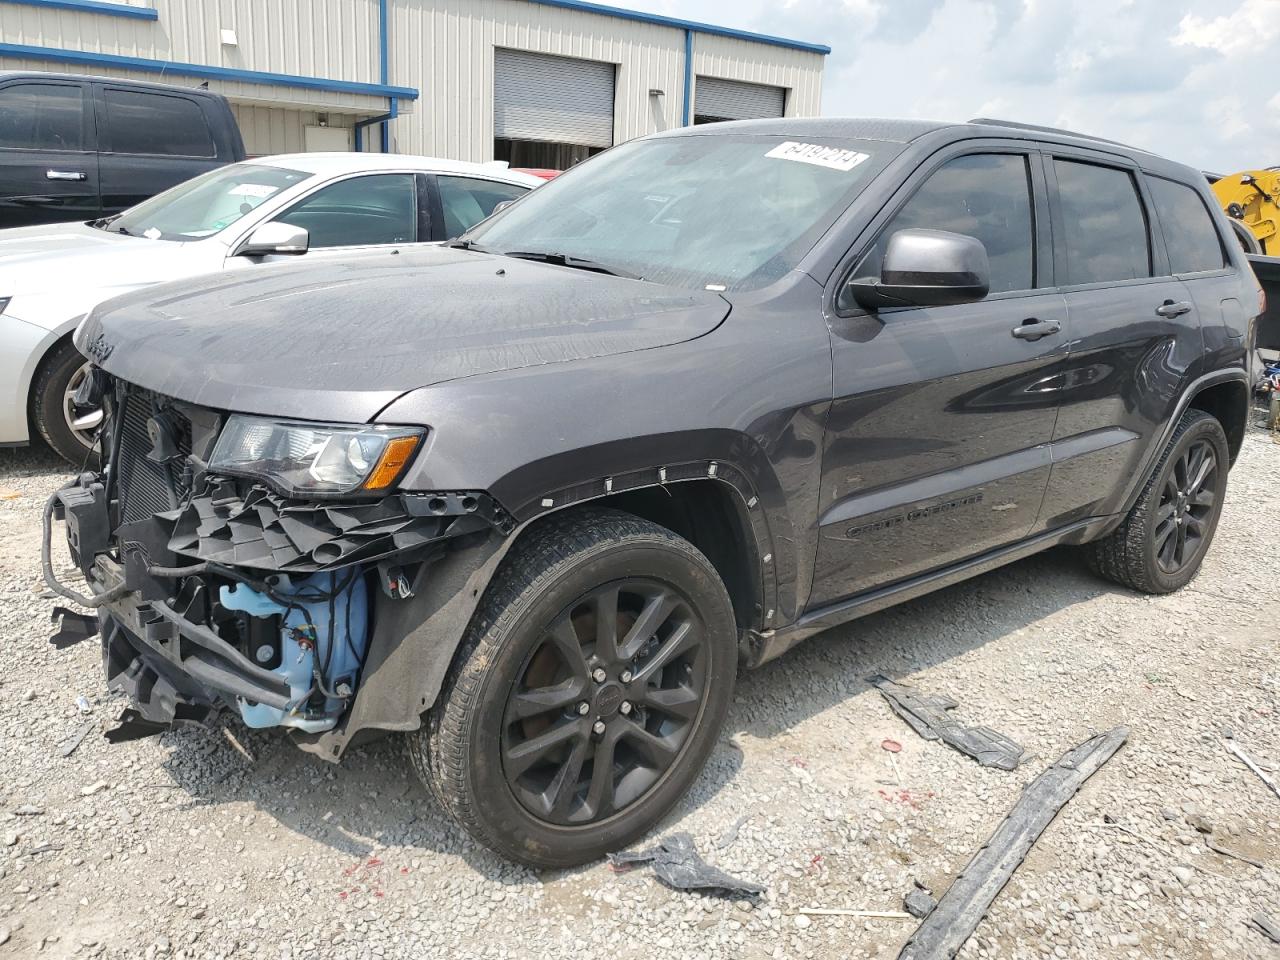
[(445, 48), (333, 39), (268, 130)]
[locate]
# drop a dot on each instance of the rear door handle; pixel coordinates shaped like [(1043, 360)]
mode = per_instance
[(1034, 329), (65, 175), (1170, 308)]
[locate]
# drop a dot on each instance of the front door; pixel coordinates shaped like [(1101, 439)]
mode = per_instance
[(937, 442), (48, 158)]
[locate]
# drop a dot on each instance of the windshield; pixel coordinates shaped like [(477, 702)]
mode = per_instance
[(201, 207), (718, 211)]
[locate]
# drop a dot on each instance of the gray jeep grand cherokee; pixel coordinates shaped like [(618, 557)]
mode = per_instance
[(534, 498)]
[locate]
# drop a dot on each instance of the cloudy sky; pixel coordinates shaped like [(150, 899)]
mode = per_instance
[(1196, 80)]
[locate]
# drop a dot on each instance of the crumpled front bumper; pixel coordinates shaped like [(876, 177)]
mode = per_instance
[(162, 647)]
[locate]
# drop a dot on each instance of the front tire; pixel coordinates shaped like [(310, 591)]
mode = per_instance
[(70, 433), (587, 694), (1164, 539)]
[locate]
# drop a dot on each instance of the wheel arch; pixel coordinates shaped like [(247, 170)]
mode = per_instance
[(1227, 401)]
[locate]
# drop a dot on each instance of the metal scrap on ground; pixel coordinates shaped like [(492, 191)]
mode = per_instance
[(1266, 926), (941, 935), (1249, 762), (68, 746), (676, 863), (929, 717)]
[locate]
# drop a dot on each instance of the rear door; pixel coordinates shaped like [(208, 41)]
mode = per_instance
[(937, 441), (149, 141), (1135, 332), (48, 163)]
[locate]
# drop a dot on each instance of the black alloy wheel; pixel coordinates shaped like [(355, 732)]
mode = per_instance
[(1187, 505), (605, 703), (588, 692)]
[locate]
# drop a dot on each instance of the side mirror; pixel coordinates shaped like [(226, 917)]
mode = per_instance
[(926, 268), (275, 237)]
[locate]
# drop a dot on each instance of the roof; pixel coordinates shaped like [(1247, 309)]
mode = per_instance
[(335, 163), (114, 81), (848, 128), (691, 25)]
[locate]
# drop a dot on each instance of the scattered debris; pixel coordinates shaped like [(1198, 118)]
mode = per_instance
[(44, 848), (1249, 762), (83, 704), (676, 864), (93, 788), (944, 931), (1218, 848), (861, 914), (29, 810), (891, 747), (919, 902), (726, 839), (68, 746), (1266, 926), (236, 745), (928, 716), (7, 493)]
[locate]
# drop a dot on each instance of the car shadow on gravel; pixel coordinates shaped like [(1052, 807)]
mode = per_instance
[(832, 667)]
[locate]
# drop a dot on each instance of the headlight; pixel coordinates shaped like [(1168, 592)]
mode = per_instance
[(317, 458)]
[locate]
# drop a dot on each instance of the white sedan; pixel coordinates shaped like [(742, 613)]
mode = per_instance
[(235, 217)]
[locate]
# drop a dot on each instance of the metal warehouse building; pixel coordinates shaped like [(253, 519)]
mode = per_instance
[(540, 83)]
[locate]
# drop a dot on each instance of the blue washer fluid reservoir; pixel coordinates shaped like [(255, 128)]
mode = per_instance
[(304, 636)]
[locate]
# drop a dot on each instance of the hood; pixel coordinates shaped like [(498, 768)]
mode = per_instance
[(340, 339), (37, 263)]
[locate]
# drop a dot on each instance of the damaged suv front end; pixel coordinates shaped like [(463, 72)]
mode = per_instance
[(267, 567)]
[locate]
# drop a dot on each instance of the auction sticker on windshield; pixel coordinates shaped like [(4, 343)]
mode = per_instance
[(837, 158)]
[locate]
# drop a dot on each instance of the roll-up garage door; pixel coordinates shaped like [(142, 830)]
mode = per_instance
[(559, 99), (717, 99)]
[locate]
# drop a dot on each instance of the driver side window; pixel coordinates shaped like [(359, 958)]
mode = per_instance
[(982, 195)]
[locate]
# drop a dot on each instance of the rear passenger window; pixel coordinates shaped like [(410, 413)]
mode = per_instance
[(156, 124), (1189, 233), (986, 196), (42, 116), (1105, 227), (467, 201)]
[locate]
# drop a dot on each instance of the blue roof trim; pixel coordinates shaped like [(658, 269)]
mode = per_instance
[(95, 6), (211, 73), (692, 25)]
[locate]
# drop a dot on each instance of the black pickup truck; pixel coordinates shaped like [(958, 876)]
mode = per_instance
[(534, 497), (79, 148)]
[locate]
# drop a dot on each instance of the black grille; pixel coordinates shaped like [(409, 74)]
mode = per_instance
[(148, 487)]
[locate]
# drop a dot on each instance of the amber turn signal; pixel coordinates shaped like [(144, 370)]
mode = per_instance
[(392, 462)]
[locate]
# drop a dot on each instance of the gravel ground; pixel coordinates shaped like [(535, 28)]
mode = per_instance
[(185, 846)]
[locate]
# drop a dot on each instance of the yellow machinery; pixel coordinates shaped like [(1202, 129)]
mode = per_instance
[(1252, 200)]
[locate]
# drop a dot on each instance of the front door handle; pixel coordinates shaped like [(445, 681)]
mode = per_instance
[(1170, 309), (1034, 329), (65, 175)]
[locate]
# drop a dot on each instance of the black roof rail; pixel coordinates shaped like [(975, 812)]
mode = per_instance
[(990, 121)]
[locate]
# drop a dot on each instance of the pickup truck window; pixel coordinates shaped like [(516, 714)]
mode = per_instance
[(156, 124), (206, 204), (1103, 222), (1189, 234), (724, 212), (362, 211), (42, 116), (986, 196)]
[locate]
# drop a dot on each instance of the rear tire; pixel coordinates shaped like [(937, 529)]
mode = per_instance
[(57, 377), (598, 610), (1162, 542)]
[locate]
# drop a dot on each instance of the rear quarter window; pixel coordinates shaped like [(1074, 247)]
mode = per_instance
[(156, 124), (1190, 235), (42, 116)]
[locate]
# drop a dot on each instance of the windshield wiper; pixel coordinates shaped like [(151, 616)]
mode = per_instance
[(103, 222), (122, 230), (467, 245), (565, 260)]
